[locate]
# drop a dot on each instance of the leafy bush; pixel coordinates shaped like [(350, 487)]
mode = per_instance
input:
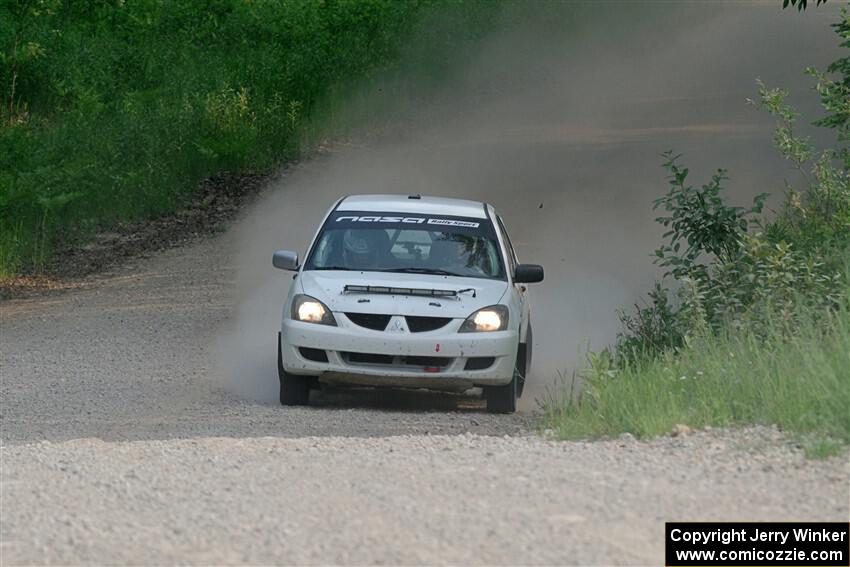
[(700, 219), (704, 233), (835, 93), (732, 268), (752, 321)]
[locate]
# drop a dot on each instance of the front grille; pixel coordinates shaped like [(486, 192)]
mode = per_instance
[(440, 361), (314, 354), (423, 324), (398, 361), (367, 358), (369, 320), (479, 362)]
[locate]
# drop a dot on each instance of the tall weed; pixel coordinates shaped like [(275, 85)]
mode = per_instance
[(798, 382)]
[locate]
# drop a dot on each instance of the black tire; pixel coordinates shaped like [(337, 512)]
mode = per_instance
[(294, 389), (502, 399)]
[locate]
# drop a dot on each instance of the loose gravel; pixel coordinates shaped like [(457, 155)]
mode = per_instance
[(122, 445), (465, 499), (119, 449)]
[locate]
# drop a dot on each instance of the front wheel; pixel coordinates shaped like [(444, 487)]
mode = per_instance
[(502, 399), (294, 389)]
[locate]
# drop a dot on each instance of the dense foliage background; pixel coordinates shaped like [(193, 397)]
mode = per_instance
[(113, 110)]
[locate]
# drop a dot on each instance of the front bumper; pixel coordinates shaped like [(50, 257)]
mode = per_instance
[(442, 359)]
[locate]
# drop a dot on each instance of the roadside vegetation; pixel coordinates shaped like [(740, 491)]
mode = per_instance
[(114, 111), (751, 323)]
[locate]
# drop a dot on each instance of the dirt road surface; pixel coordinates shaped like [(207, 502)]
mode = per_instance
[(137, 412), (119, 448)]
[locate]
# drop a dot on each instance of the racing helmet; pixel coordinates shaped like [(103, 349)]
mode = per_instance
[(365, 248)]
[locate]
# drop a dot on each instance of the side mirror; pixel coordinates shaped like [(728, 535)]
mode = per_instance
[(285, 260), (528, 273)]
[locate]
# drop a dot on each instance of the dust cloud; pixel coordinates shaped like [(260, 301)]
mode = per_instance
[(558, 120)]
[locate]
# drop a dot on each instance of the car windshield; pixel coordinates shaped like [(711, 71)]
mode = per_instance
[(392, 242)]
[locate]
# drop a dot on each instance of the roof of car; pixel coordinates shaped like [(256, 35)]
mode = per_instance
[(423, 204)]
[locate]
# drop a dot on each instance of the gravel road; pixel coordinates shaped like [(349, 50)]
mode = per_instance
[(408, 499), (118, 448), (131, 355), (124, 441)]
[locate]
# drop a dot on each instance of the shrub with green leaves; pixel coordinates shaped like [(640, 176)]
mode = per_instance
[(699, 221), (835, 92), (751, 323), (732, 268)]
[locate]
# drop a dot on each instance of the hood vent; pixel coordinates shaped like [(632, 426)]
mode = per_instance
[(372, 321), (424, 324)]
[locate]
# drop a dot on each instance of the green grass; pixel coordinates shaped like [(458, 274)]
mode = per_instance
[(114, 111), (800, 383)]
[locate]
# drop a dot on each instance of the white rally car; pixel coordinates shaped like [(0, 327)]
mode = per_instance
[(407, 291)]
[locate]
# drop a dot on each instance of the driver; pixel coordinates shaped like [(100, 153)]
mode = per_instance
[(365, 248), (455, 255)]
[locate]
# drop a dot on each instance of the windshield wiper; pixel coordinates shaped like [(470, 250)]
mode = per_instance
[(435, 272), (338, 268)]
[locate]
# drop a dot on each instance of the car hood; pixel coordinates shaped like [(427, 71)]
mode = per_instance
[(328, 287)]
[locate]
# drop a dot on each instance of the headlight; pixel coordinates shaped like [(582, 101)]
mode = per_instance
[(311, 310), (493, 318)]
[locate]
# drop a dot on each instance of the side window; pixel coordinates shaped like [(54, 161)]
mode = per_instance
[(323, 250), (512, 259)]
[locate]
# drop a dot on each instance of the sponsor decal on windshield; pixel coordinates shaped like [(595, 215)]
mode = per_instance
[(408, 220), (449, 222)]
